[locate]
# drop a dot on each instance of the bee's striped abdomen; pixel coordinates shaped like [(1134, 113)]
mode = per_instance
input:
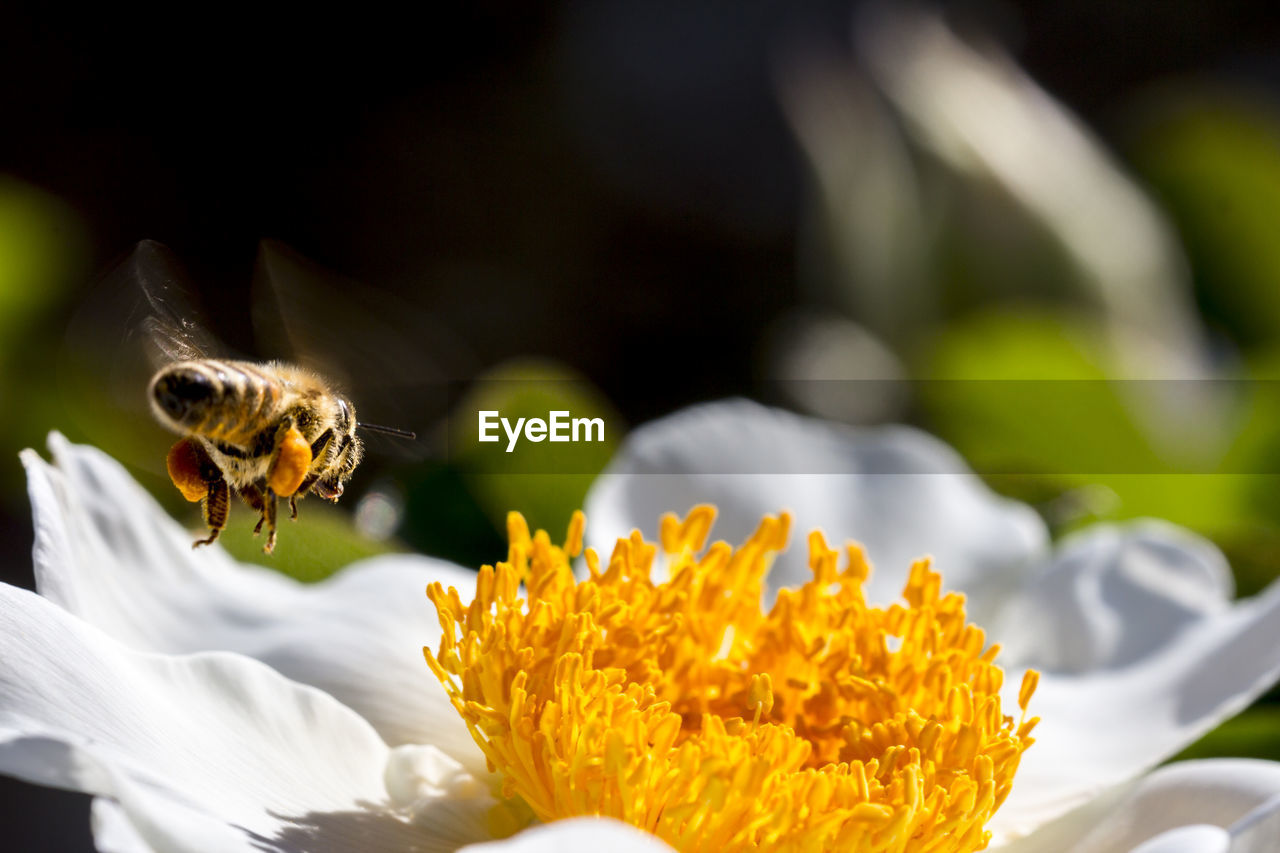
[(226, 401), (250, 398)]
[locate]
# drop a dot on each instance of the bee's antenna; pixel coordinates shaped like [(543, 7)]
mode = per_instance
[(386, 430)]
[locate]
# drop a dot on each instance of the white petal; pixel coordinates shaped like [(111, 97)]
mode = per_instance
[(206, 752), (1113, 595), (1103, 624), (1259, 830), (436, 793), (216, 733), (578, 835), (894, 489), (113, 832), (1219, 792), (1101, 727), (108, 553), (1199, 838)]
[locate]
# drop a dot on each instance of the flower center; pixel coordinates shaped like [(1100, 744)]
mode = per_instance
[(685, 708)]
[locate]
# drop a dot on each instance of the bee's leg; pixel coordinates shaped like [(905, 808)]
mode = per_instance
[(199, 479), (302, 490), (252, 495), (320, 445), (269, 516), (216, 506)]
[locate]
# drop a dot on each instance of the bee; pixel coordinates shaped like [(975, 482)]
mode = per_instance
[(261, 430)]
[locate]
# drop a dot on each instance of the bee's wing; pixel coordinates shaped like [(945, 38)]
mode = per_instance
[(139, 316), (170, 327), (393, 360)]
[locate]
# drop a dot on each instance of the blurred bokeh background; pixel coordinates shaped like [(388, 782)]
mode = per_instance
[(865, 212)]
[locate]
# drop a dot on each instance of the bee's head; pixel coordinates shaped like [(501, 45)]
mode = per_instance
[(331, 485), (180, 395)]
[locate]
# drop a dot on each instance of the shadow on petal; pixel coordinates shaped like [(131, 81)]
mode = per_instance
[(439, 827)]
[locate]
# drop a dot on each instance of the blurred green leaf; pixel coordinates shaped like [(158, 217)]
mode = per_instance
[(1009, 391), (1255, 733), (42, 251), (1253, 550), (1026, 345), (1214, 159), (1025, 398)]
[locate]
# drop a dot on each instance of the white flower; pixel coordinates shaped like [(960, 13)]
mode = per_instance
[(1140, 648), (181, 687)]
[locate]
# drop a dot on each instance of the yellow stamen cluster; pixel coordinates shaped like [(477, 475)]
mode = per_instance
[(684, 708)]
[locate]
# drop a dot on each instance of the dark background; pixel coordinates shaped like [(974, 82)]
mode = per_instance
[(611, 185)]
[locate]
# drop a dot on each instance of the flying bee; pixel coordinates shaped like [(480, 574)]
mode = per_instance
[(261, 430)]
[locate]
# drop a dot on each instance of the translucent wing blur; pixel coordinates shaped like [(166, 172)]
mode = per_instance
[(139, 316), (393, 359), (170, 328)]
